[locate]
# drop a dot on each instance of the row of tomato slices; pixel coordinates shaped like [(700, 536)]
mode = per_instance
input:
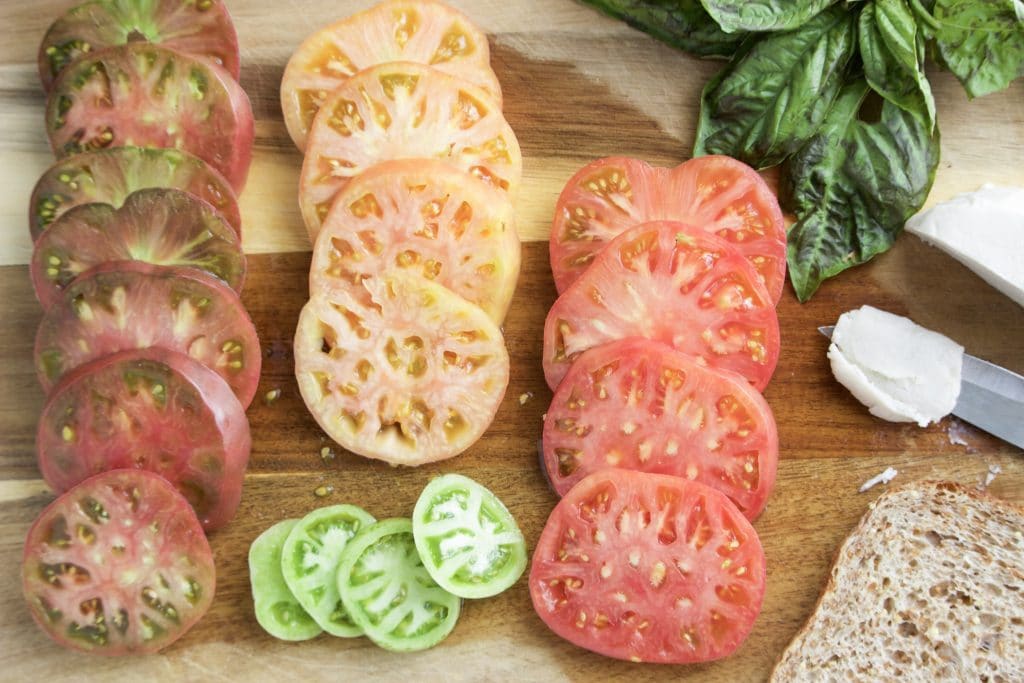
[(146, 353), (657, 436)]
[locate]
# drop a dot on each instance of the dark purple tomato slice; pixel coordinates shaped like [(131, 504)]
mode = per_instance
[(160, 226), (150, 409), (202, 28), (118, 565), (109, 175), (135, 305), (148, 96)]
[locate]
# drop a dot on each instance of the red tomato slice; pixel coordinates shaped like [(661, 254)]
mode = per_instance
[(151, 409), (160, 226), (719, 194), (118, 565), (426, 217), (399, 368), (144, 95), (675, 284), (108, 176), (640, 405), (203, 29), (404, 111), (395, 31), (134, 305), (649, 568)]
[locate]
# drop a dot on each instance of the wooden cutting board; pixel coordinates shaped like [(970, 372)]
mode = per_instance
[(577, 86)]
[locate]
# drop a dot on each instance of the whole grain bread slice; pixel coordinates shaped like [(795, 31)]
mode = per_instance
[(928, 587)]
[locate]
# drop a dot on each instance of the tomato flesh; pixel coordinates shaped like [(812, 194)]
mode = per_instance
[(132, 305), (277, 610), (648, 568), (426, 217), (151, 409), (640, 405), (395, 31), (118, 565), (719, 194), (148, 96), (404, 111), (672, 283)]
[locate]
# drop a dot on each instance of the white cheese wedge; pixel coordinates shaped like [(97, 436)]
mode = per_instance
[(984, 230), (901, 371)]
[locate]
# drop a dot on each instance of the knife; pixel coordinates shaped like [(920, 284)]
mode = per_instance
[(991, 397)]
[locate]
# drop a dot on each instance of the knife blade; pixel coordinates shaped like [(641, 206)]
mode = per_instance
[(991, 397)]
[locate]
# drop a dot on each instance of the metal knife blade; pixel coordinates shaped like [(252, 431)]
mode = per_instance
[(991, 397)]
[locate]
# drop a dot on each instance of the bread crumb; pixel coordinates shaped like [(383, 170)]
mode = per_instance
[(990, 476), (884, 478)]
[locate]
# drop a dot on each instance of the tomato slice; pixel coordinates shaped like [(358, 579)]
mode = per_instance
[(161, 226), (640, 405), (152, 409), (426, 217), (467, 539), (395, 31), (108, 176), (404, 111), (203, 29), (277, 610), (400, 368), (132, 305), (388, 592), (675, 284), (648, 568), (309, 564), (118, 565), (144, 95), (724, 196)]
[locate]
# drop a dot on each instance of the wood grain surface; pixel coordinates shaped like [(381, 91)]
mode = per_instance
[(577, 86)]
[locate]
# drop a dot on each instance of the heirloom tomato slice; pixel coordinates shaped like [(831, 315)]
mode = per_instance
[(404, 111), (309, 564), (428, 218), (399, 368), (648, 568), (394, 31), (134, 305), (467, 539), (160, 226), (155, 410), (719, 194), (675, 284), (640, 405), (144, 95), (202, 28), (118, 565), (277, 609), (388, 592), (108, 176)]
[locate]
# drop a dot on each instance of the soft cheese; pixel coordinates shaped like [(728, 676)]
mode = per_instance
[(901, 371)]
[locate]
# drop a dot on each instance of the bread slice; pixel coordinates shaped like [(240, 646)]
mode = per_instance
[(928, 587)]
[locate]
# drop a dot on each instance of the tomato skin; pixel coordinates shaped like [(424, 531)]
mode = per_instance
[(648, 568), (126, 539), (659, 411), (150, 409), (672, 283)]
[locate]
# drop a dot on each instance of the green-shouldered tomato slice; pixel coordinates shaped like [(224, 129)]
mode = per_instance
[(277, 610), (389, 593), (309, 564)]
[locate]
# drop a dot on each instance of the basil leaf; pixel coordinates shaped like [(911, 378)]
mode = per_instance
[(892, 51), (680, 23), (853, 186), (774, 93), (982, 43), (763, 15)]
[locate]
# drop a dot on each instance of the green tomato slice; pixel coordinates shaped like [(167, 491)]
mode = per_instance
[(469, 542), (309, 563), (387, 591), (277, 610)]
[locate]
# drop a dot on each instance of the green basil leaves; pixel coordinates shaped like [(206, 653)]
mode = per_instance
[(684, 24), (763, 15)]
